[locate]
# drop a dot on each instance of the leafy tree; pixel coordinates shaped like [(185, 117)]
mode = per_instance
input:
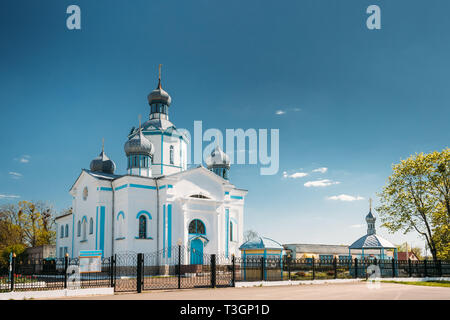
[(416, 198), (250, 235)]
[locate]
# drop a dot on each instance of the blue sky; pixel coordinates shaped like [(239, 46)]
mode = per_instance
[(355, 101)]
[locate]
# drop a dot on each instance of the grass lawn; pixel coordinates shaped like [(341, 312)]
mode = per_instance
[(423, 283)]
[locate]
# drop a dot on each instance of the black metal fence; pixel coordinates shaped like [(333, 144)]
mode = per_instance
[(182, 267), (52, 274), (276, 269)]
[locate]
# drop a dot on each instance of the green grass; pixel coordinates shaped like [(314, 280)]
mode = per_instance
[(423, 283)]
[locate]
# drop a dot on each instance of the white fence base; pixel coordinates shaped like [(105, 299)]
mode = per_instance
[(22, 295)]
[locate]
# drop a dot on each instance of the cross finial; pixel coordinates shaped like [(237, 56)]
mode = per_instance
[(140, 122), (370, 204), (103, 144), (159, 78)]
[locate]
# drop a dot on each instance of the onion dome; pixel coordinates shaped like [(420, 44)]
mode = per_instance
[(103, 164), (159, 96), (139, 144), (218, 158)]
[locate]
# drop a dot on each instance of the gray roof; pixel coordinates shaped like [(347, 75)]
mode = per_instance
[(218, 158), (139, 144), (372, 241), (261, 243), (318, 248)]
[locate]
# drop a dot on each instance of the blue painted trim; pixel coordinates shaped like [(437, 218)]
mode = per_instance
[(227, 222), (96, 228), (169, 186), (84, 219), (144, 212), (73, 231), (162, 187), (121, 213), (105, 189), (142, 186), (169, 231), (164, 230), (102, 228), (90, 253), (162, 154), (148, 238), (236, 197), (121, 238), (226, 192), (83, 240), (121, 187)]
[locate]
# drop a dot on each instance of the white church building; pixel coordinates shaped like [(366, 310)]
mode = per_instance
[(157, 203)]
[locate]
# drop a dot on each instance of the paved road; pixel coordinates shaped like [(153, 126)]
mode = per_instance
[(347, 291)]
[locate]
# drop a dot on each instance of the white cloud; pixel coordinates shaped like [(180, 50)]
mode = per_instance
[(15, 175), (23, 159), (345, 197), (321, 170), (294, 175), (280, 112), (320, 183), (8, 196)]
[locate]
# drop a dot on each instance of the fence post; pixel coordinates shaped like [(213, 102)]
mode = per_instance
[(233, 276), (393, 267), (66, 265), (213, 271), (262, 269), (356, 268), (439, 268), (12, 270), (289, 266), (179, 267), (139, 272), (409, 268), (111, 271), (335, 267), (425, 268), (313, 269)]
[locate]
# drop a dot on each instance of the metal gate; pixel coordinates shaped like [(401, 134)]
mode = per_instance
[(173, 268)]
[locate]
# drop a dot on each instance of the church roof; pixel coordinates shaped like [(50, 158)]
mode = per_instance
[(261, 243), (372, 241)]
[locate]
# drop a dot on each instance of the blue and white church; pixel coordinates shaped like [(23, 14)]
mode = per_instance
[(158, 203)]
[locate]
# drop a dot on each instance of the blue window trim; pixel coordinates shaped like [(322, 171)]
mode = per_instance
[(144, 212), (121, 213), (236, 197), (84, 219), (148, 238)]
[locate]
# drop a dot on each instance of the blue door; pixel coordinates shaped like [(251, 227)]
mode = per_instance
[(197, 251)]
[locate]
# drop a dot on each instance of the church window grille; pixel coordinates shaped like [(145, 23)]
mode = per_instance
[(78, 228), (231, 231), (84, 229), (171, 154), (62, 232), (142, 227), (67, 230), (197, 227), (91, 226)]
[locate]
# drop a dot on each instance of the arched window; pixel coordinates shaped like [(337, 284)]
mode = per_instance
[(67, 230), (120, 224), (91, 226), (62, 232), (197, 227), (78, 228), (142, 227), (84, 225), (171, 154), (231, 231)]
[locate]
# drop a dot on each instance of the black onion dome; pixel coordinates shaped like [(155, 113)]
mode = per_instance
[(103, 164)]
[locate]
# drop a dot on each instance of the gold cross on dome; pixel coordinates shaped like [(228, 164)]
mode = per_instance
[(370, 204)]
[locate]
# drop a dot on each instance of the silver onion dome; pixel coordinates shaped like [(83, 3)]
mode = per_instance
[(218, 158), (103, 164), (159, 96), (138, 144)]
